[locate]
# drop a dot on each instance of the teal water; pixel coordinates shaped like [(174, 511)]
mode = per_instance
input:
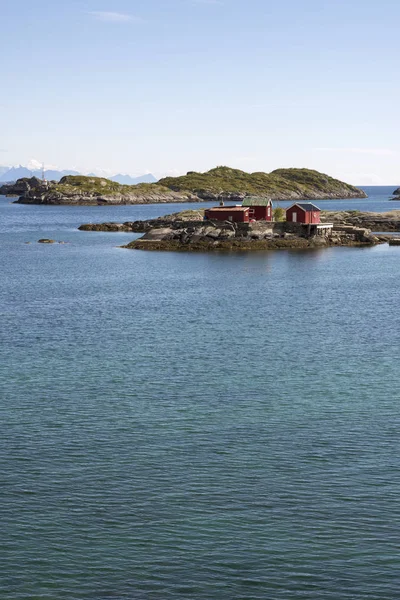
[(195, 426)]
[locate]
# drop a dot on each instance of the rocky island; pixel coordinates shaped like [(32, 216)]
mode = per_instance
[(221, 183), (188, 231)]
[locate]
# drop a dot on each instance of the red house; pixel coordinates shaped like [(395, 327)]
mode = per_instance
[(260, 208), (236, 214), (303, 212)]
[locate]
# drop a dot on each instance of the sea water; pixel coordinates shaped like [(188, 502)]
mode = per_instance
[(196, 426)]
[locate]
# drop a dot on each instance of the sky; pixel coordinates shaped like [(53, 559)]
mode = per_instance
[(167, 86)]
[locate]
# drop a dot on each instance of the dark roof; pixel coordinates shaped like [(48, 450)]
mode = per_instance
[(227, 208), (256, 201), (307, 206)]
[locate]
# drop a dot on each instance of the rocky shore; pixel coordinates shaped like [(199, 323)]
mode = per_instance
[(188, 231), (378, 222)]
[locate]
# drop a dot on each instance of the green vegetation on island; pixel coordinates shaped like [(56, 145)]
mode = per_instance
[(280, 184), (221, 183)]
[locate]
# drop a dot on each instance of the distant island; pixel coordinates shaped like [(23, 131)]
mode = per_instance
[(219, 184)]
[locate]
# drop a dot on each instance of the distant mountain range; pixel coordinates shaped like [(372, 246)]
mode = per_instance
[(128, 180), (8, 174)]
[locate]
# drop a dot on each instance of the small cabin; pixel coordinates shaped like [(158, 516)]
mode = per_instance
[(260, 209), (235, 214), (303, 212)]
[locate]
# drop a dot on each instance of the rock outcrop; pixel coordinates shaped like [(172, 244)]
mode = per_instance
[(143, 226), (21, 187)]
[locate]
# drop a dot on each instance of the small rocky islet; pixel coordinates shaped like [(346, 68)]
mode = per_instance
[(219, 184), (188, 231)]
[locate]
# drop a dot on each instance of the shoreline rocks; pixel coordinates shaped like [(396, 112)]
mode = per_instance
[(51, 196), (382, 222)]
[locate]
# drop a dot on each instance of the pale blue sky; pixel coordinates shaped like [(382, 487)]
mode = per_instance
[(177, 85)]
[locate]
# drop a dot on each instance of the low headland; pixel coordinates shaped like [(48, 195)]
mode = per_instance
[(188, 231), (219, 184)]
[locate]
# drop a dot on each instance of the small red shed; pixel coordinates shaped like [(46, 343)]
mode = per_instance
[(236, 214), (260, 208), (303, 212)]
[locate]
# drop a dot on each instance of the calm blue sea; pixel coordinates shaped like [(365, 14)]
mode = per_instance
[(217, 426)]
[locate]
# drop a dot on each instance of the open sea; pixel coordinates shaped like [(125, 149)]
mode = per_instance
[(217, 426)]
